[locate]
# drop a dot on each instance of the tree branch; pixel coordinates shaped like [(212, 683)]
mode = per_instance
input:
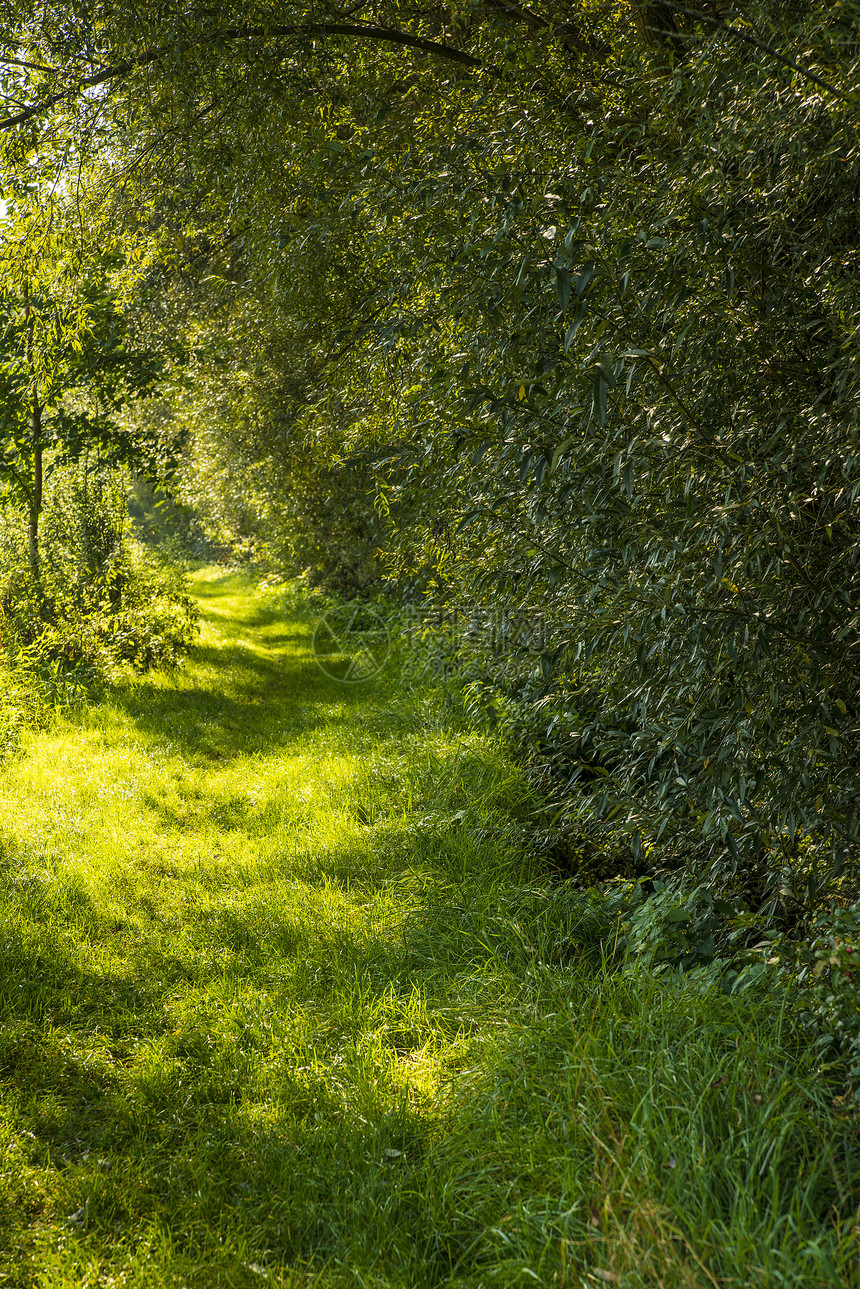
[(34, 67), (386, 35), (747, 39)]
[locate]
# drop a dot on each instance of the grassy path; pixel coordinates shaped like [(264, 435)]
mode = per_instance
[(283, 1004)]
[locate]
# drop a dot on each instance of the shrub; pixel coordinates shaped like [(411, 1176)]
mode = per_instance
[(102, 602)]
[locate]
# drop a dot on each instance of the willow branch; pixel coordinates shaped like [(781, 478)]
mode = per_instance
[(385, 35), (749, 39)]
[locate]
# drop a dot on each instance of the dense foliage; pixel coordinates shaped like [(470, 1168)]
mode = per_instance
[(522, 310)]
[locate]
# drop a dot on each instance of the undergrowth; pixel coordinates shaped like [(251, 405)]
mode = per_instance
[(288, 999), (98, 602)]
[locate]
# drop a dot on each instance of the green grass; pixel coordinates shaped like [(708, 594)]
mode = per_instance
[(285, 1001)]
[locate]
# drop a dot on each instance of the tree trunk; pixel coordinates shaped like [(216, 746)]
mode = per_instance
[(36, 496), (36, 440)]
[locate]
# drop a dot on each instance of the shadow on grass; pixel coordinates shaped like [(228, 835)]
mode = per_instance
[(177, 1138), (263, 704), (261, 690)]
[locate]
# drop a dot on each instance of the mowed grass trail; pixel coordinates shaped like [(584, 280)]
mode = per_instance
[(285, 1001)]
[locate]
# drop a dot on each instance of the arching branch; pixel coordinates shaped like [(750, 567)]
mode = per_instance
[(118, 71)]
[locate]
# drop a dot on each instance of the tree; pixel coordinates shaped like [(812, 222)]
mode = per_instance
[(66, 365), (592, 281)]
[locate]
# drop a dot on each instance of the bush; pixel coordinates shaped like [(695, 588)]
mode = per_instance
[(826, 969), (101, 602)]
